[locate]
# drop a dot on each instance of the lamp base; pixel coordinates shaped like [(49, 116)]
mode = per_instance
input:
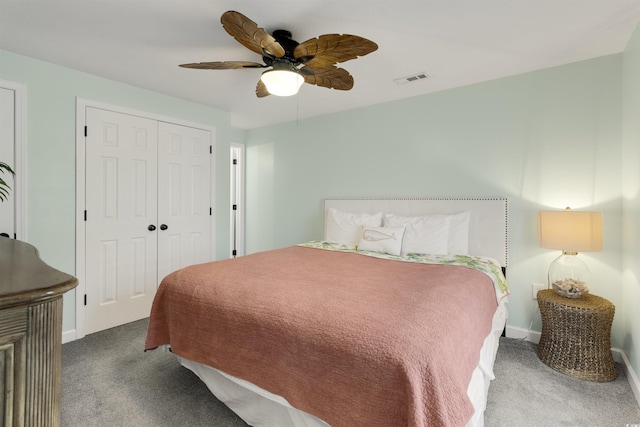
[(568, 276)]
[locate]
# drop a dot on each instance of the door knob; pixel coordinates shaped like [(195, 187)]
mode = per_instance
[(151, 227), (164, 227)]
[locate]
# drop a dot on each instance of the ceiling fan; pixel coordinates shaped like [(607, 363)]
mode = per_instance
[(291, 63)]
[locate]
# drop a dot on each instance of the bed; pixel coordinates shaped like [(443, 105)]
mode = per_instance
[(392, 319)]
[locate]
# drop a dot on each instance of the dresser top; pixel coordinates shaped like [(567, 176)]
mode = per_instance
[(25, 278)]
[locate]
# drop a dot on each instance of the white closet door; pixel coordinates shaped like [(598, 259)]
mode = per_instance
[(121, 218), (184, 197), (7, 141)]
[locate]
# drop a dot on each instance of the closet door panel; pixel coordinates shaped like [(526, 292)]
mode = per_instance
[(184, 197), (121, 205)]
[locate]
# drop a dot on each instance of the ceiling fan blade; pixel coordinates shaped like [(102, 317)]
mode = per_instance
[(331, 77), (330, 49), (223, 65), (261, 90), (248, 34)]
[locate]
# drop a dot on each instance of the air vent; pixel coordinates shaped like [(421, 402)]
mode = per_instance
[(412, 78)]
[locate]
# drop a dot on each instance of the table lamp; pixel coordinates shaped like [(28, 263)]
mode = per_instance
[(571, 232)]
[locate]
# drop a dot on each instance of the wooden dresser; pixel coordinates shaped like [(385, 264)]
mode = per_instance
[(30, 336)]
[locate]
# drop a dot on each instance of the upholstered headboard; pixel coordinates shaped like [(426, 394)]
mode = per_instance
[(488, 223)]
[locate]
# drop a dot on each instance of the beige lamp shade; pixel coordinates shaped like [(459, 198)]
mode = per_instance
[(570, 231)]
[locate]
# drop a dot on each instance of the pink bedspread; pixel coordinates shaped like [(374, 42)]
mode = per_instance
[(351, 339)]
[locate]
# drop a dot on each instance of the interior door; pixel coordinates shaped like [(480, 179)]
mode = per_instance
[(184, 197), (148, 211), (7, 142), (120, 218)]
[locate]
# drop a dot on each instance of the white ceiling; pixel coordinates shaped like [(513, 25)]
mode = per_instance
[(141, 42)]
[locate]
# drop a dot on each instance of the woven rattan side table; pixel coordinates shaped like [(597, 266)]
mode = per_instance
[(576, 336)]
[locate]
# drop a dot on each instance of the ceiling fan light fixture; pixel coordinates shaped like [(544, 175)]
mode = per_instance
[(282, 80)]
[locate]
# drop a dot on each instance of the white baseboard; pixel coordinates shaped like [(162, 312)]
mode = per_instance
[(631, 376), (618, 356), (68, 336), (521, 333)]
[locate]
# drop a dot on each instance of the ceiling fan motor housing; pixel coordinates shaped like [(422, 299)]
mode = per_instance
[(284, 38)]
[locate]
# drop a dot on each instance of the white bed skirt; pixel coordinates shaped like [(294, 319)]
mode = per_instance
[(260, 408)]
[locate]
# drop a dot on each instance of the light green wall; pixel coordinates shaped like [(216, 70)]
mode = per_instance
[(631, 202), (546, 139), (51, 144)]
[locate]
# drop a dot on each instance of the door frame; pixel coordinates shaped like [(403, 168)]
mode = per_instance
[(236, 219), (81, 105), (19, 154)]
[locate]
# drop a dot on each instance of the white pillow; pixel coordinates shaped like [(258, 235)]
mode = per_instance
[(459, 234), (387, 240), (424, 234), (345, 228)]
